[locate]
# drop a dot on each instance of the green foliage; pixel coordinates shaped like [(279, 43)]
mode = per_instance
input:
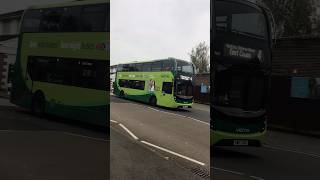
[(292, 16)]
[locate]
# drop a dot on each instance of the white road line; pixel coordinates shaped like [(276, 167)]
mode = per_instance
[(170, 113), (237, 173), (52, 131), (176, 154), (86, 137), (255, 177), (229, 171), (179, 115), (161, 148), (113, 121), (293, 151), (129, 132)]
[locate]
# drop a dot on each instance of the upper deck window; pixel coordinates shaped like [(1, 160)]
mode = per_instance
[(240, 19), (89, 18), (31, 21)]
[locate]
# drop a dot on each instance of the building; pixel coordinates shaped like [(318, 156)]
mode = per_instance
[(9, 30), (201, 88), (113, 70)]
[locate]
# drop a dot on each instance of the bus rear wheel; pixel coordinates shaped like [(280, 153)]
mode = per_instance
[(121, 94), (38, 104), (153, 101)]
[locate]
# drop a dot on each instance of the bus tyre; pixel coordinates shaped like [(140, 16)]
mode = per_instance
[(121, 94), (38, 104), (153, 101)]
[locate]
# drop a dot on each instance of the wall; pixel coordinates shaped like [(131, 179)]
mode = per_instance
[(198, 96), (299, 57)]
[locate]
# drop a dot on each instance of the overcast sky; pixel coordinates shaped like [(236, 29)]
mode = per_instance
[(148, 29), (155, 29)]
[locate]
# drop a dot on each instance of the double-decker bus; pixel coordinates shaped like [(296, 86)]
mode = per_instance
[(63, 59), (166, 82), (241, 33)]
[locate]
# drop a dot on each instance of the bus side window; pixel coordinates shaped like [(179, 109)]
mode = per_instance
[(94, 18), (167, 87), (31, 21), (70, 20), (221, 22), (146, 67), (50, 21), (139, 67), (140, 85), (107, 25), (156, 66), (167, 65)]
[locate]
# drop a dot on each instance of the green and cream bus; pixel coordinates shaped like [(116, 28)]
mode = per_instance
[(166, 82), (63, 59)]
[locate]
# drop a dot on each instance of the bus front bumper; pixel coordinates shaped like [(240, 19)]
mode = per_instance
[(218, 138)]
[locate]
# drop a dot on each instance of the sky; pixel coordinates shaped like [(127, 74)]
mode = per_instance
[(157, 29), (148, 29)]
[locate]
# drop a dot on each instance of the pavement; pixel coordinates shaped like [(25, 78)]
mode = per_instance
[(180, 136), (50, 148)]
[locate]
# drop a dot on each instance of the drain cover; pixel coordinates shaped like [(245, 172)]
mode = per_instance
[(203, 173)]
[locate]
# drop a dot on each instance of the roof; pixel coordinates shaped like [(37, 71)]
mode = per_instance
[(70, 3), (136, 62), (11, 15)]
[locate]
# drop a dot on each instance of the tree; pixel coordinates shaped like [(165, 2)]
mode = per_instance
[(200, 57), (292, 16)]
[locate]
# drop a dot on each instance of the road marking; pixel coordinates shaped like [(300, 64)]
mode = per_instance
[(237, 173), (174, 153), (113, 121), (129, 132), (161, 148), (87, 137), (170, 113), (255, 177), (178, 115), (229, 171), (52, 131), (293, 151)]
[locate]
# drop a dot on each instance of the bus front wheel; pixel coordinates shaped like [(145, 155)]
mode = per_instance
[(38, 104), (153, 101)]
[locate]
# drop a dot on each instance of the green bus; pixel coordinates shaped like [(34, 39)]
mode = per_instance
[(63, 59), (166, 82), (241, 33)]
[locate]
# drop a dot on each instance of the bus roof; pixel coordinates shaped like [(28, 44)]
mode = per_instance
[(70, 3), (170, 58), (253, 3)]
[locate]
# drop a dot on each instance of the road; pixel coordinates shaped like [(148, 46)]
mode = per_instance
[(50, 148), (283, 156), (181, 137)]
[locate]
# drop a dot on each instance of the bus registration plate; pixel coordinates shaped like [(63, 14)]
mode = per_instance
[(240, 142)]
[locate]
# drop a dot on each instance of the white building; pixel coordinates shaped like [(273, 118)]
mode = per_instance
[(113, 70), (9, 28)]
